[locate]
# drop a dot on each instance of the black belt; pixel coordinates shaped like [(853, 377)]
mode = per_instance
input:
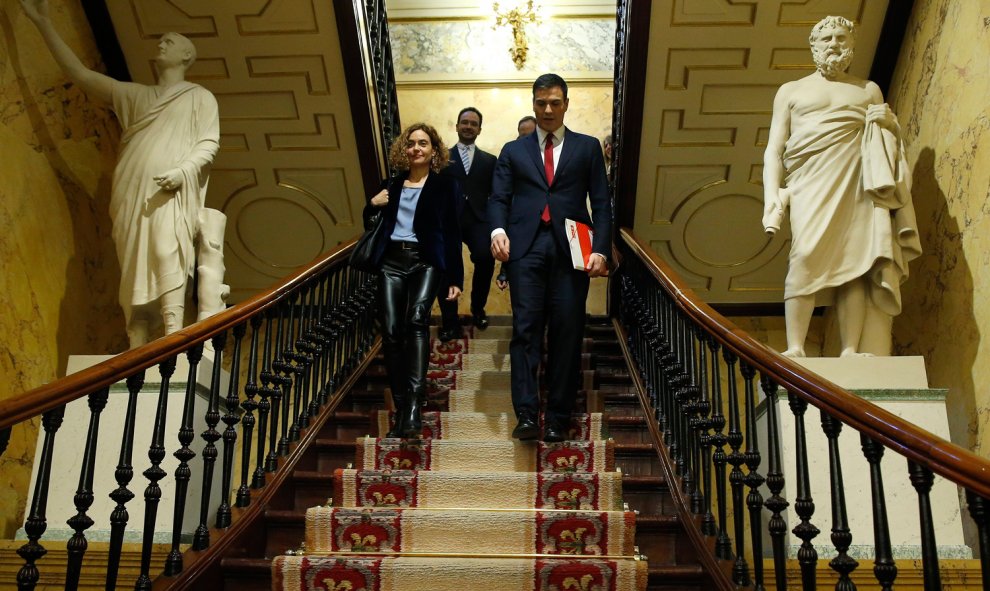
[(404, 245)]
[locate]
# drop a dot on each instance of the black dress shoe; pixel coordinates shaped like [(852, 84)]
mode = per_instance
[(450, 334), (526, 429), (553, 432), (480, 320)]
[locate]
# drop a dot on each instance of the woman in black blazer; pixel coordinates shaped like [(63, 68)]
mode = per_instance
[(421, 210)]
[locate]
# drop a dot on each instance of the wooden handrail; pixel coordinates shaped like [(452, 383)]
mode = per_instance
[(39, 400), (947, 459)]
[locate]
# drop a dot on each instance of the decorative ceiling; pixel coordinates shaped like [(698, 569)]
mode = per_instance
[(287, 175)]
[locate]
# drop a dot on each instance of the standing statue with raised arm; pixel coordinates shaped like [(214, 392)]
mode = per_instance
[(835, 158), (171, 134)]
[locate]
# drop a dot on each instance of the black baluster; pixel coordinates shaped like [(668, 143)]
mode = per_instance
[(804, 505), (230, 419), (173, 563), (277, 393), (884, 567), (776, 526), (754, 500), (978, 511), (123, 474), (740, 569), (4, 440), (286, 370), (249, 405), (153, 493), (293, 353), (841, 535), (201, 539), (80, 522), (723, 545), (703, 424), (922, 480), (305, 348), (264, 406), (693, 419), (37, 522), (319, 341)]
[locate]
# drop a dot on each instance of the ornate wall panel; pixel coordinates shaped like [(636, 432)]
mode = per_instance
[(713, 69), (284, 177)]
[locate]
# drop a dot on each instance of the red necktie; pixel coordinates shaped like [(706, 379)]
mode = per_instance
[(548, 168)]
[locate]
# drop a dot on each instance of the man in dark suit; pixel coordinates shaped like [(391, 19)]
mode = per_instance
[(472, 167), (541, 179)]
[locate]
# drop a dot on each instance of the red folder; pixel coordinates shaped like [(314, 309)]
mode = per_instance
[(579, 237)]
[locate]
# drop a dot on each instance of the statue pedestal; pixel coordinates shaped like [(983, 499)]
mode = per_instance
[(900, 386), (70, 443)]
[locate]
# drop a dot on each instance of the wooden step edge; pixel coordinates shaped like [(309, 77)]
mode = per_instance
[(666, 574), (627, 421), (350, 416), (634, 449), (335, 444), (658, 522), (285, 516), (632, 482)]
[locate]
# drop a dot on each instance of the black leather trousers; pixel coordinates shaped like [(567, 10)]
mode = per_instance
[(408, 286)]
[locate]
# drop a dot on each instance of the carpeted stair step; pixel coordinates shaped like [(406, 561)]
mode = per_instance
[(484, 531), (476, 426), (469, 361), (478, 490), (484, 401), (457, 573), (489, 456), (440, 379), (492, 333)]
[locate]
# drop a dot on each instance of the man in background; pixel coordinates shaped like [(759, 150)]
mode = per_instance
[(472, 167)]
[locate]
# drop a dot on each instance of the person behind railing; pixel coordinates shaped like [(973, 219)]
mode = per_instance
[(422, 209)]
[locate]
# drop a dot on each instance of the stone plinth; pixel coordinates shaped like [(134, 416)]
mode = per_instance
[(70, 445), (900, 386)]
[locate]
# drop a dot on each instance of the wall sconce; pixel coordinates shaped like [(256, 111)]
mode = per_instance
[(517, 19)]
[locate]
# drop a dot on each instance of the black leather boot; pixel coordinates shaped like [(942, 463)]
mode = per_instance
[(398, 417), (412, 421)]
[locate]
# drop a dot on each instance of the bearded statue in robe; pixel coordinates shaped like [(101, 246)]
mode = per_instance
[(835, 163)]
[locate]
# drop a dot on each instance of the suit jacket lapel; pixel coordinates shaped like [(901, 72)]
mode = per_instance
[(566, 151), (455, 160), (532, 143)]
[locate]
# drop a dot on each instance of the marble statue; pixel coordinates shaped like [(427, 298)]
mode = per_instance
[(170, 136), (835, 160)]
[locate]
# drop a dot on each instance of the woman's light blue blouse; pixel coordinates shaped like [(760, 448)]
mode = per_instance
[(407, 210)]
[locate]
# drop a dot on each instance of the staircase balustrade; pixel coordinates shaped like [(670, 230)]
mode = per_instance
[(306, 342), (688, 362)]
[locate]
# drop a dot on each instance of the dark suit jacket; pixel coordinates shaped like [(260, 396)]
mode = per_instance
[(477, 185), (520, 191), (436, 223)]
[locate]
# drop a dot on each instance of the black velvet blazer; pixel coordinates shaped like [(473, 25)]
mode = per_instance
[(436, 223)]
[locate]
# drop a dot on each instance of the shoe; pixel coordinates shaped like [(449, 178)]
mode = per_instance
[(553, 432), (480, 320), (526, 429), (450, 334)]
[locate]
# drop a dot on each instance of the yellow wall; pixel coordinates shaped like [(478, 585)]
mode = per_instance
[(941, 94), (58, 285)]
